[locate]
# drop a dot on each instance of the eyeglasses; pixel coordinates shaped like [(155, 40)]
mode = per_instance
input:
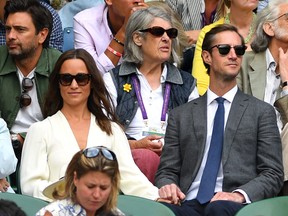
[(82, 79), (159, 31), (27, 85), (95, 151), (285, 14), (224, 49)]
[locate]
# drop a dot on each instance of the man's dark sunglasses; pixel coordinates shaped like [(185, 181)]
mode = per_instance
[(95, 151), (82, 79), (224, 49), (159, 31)]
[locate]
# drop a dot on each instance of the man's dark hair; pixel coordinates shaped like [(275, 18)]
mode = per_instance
[(210, 36), (40, 15), (9, 208)]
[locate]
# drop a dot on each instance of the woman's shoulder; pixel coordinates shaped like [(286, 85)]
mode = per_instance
[(116, 127), (49, 121)]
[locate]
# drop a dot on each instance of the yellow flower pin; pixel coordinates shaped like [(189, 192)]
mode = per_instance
[(127, 87)]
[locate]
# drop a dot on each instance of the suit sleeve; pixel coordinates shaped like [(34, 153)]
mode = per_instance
[(269, 167), (170, 164)]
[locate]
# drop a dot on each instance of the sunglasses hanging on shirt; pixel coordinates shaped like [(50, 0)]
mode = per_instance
[(25, 99)]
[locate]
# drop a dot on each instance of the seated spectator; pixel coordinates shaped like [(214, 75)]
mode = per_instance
[(9, 208), (101, 31), (264, 72), (147, 84), (56, 37), (91, 185), (69, 10), (79, 113), (25, 65), (182, 38), (222, 150), (196, 14), (8, 160), (238, 10)]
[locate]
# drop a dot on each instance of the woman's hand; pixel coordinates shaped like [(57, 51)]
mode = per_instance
[(151, 142)]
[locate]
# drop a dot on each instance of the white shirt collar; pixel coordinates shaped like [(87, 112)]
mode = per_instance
[(270, 61), (229, 96), (163, 75)]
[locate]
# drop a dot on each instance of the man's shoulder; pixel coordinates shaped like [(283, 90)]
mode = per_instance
[(5, 60), (47, 61), (250, 56), (3, 49), (187, 107), (51, 53), (253, 101)]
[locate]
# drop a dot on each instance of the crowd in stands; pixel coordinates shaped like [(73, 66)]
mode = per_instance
[(189, 96)]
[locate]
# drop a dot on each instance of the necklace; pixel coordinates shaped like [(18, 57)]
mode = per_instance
[(251, 28)]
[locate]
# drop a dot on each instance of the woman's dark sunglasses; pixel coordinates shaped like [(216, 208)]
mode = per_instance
[(82, 79), (159, 31), (25, 99), (224, 49), (95, 151)]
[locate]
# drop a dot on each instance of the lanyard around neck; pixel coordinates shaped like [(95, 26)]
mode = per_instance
[(136, 85)]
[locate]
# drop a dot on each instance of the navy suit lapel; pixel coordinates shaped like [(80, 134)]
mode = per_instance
[(237, 110)]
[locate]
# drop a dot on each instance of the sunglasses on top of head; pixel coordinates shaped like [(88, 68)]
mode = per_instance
[(224, 49), (159, 31), (82, 79), (97, 150)]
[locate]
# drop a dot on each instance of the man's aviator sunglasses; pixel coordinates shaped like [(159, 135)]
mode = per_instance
[(96, 151), (224, 49), (82, 79), (159, 31)]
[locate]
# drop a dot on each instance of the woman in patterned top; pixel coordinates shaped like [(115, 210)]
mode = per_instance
[(91, 186)]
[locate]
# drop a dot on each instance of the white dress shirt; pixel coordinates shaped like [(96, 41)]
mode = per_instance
[(273, 82)]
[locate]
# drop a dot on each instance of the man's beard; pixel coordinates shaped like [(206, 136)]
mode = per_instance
[(23, 53)]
